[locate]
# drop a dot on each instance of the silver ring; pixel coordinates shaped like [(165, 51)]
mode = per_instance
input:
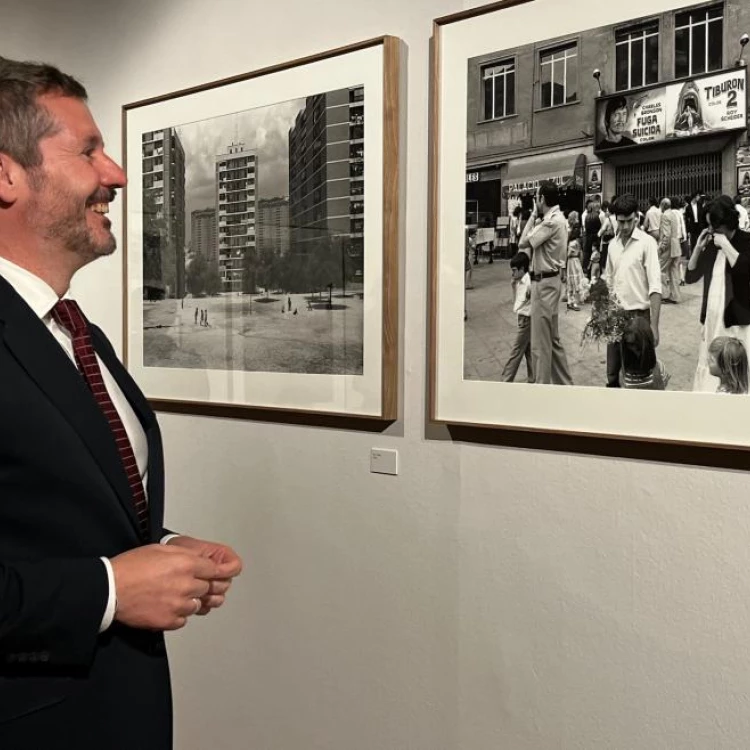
[(197, 605)]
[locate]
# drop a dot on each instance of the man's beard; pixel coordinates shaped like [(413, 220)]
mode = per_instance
[(68, 225)]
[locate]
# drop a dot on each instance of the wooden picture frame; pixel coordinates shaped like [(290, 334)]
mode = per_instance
[(261, 240), (541, 132)]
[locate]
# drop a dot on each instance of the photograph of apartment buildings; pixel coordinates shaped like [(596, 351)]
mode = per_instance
[(253, 238), (677, 82)]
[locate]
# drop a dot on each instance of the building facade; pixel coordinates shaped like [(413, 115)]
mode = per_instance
[(237, 202), (273, 225), (203, 234), (163, 214), (326, 174), (537, 112)]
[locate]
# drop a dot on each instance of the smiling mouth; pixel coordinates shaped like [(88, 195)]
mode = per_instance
[(99, 208)]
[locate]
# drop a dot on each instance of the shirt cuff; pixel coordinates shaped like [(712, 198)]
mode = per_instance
[(167, 538), (109, 612)]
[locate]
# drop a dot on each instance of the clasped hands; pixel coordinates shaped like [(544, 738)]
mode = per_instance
[(159, 586)]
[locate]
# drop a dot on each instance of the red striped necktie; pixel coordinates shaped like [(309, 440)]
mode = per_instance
[(68, 315)]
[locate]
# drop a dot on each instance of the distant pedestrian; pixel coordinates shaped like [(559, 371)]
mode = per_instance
[(195, 320), (289, 302), (205, 317)]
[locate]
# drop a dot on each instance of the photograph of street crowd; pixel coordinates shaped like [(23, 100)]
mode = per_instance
[(253, 239), (607, 239)]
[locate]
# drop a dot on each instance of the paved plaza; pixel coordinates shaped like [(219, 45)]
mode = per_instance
[(491, 327), (251, 333)]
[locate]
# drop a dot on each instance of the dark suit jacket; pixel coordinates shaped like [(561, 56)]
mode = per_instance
[(736, 280), (693, 227), (64, 502)]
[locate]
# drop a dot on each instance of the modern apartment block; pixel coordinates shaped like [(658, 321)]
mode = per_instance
[(326, 173), (672, 83), (237, 202), (164, 214), (273, 225), (203, 233)]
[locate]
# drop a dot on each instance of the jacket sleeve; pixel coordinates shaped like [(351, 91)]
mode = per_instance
[(51, 611), (700, 270)]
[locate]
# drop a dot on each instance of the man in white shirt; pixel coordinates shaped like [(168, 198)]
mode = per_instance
[(633, 274), (86, 587), (742, 211), (652, 221)]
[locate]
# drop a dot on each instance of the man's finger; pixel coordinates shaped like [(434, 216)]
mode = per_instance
[(219, 586), (210, 601)]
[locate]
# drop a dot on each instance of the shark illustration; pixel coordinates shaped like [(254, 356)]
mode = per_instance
[(689, 117)]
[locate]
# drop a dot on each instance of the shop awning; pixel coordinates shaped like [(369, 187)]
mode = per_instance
[(525, 174)]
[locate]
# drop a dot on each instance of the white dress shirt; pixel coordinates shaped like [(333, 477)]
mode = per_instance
[(41, 298), (633, 271)]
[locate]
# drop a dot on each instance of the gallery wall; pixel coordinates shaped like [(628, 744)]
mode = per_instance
[(485, 597)]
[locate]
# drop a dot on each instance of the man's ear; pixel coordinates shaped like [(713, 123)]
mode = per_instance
[(12, 178)]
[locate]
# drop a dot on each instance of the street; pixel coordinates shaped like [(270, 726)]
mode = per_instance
[(491, 328)]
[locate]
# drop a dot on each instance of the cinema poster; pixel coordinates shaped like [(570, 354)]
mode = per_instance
[(700, 106)]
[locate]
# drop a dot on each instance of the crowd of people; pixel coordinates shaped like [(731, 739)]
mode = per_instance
[(640, 256)]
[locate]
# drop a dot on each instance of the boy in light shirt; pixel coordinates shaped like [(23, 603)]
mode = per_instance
[(521, 285)]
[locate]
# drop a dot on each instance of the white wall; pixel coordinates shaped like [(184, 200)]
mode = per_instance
[(486, 597)]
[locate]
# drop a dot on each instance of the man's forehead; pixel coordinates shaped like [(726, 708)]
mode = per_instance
[(72, 117), (623, 217)]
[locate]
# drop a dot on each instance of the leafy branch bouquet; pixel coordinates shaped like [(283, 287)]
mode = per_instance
[(608, 319)]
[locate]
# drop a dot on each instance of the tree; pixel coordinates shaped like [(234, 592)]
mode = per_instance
[(213, 278), (197, 275)]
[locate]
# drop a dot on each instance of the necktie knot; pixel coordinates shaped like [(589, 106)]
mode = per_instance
[(68, 315)]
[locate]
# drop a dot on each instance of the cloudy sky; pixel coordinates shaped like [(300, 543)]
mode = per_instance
[(264, 128)]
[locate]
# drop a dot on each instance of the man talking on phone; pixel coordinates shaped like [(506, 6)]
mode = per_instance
[(545, 241)]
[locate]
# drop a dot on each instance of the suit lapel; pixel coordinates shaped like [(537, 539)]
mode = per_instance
[(36, 350)]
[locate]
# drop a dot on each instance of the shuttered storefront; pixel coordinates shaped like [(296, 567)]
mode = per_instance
[(670, 177)]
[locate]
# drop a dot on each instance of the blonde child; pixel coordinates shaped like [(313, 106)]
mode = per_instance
[(575, 276), (727, 360)]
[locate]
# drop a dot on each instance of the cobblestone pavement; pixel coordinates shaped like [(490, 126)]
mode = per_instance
[(491, 326)]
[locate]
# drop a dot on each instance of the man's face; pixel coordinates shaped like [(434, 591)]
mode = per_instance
[(618, 120), (70, 192), (626, 225)]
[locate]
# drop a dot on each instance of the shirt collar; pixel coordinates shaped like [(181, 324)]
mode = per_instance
[(35, 292)]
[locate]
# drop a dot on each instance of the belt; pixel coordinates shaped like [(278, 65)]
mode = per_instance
[(543, 275)]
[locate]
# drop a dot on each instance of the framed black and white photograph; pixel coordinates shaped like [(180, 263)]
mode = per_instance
[(261, 238), (607, 138)]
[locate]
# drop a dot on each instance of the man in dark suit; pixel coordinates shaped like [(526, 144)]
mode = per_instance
[(89, 577), (695, 217)]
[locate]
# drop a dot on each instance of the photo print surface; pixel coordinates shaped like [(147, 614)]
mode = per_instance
[(654, 106), (253, 250)]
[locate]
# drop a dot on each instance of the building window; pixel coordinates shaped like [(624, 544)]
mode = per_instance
[(637, 56), (698, 41), (559, 75), (499, 82)]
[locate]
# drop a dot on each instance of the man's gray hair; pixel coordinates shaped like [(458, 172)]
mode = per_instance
[(24, 121)]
